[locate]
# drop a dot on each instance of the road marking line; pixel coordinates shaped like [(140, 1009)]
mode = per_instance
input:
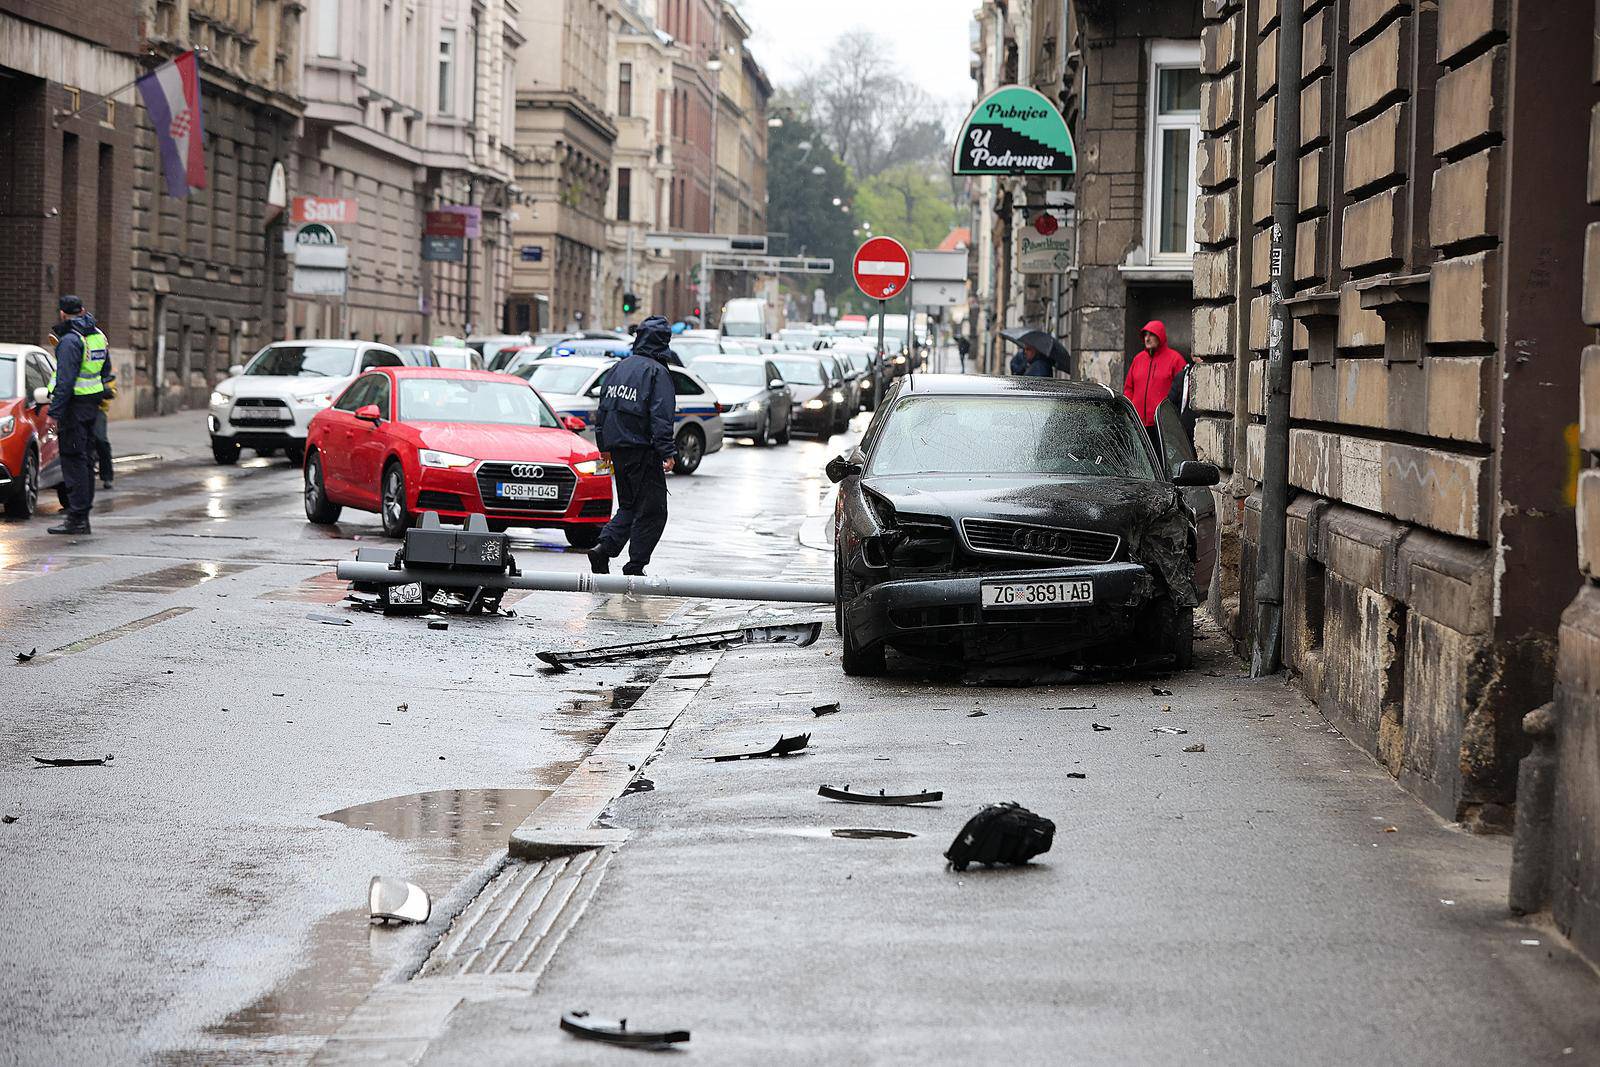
[(108, 635)]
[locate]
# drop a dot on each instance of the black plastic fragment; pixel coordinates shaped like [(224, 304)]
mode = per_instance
[(616, 1032), (1076, 774), (799, 634), (23, 657), (1001, 833), (1160, 692), (101, 762), (783, 747), (926, 797), (825, 709), (1097, 728)]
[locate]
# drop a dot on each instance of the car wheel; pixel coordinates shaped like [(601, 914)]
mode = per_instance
[(1171, 632), (296, 454), (783, 434), (224, 451), (691, 450), (584, 537), (763, 436), (23, 499), (392, 502), (319, 509), (858, 662)]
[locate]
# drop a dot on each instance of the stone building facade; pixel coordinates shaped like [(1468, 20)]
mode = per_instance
[(66, 175), (1432, 472), (564, 139), (694, 25), (208, 273), (740, 150)]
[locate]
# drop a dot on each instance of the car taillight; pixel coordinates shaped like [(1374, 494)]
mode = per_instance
[(719, 407)]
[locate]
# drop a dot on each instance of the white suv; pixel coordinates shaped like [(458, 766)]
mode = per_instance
[(268, 404)]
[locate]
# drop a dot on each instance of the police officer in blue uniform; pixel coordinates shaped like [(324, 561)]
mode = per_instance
[(633, 424), (81, 357)]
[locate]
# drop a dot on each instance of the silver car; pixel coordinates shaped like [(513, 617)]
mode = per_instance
[(756, 401)]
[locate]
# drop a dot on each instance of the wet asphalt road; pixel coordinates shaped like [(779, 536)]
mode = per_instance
[(201, 897)]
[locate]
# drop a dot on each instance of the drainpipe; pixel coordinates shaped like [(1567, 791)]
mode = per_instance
[(1267, 651)]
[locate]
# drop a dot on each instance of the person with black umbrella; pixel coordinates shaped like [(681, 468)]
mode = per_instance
[(1039, 354)]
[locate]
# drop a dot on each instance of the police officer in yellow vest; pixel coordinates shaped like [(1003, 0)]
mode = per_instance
[(75, 397)]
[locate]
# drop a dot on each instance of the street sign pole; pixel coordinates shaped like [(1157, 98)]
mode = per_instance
[(877, 373)]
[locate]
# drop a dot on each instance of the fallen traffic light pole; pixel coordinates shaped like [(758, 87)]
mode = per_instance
[(573, 582)]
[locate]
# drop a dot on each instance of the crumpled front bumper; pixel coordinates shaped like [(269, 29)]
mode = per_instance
[(933, 611)]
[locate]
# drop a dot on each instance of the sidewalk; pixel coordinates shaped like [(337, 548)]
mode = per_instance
[(181, 436), (1247, 904)]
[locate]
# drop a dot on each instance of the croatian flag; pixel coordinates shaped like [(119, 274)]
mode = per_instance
[(172, 96)]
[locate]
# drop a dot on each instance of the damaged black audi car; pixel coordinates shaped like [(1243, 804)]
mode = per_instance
[(1006, 519)]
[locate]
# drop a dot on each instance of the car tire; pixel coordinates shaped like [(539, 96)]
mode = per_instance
[(319, 509), (224, 451), (296, 454), (763, 435), (584, 537), (858, 662), (691, 450), (392, 501), (783, 435), (23, 500), (1173, 634)]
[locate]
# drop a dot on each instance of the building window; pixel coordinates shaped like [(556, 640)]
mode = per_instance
[(327, 27), (447, 71), (624, 89), (624, 194), (1170, 184)]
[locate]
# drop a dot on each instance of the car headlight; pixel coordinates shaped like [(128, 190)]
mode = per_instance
[(815, 404), (219, 398), (7, 424), (838, 395), (899, 359), (429, 457), (754, 405), (592, 467), (315, 400)]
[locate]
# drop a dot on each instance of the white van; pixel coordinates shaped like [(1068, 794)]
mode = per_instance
[(746, 317), (894, 332)]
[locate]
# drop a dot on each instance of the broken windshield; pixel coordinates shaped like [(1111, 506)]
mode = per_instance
[(1010, 435)]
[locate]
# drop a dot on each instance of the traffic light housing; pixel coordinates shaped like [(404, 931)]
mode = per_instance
[(630, 303)]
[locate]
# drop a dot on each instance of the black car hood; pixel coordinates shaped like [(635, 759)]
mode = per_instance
[(1148, 515)]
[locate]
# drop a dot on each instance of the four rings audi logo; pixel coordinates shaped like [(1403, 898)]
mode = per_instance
[(1052, 542), (526, 470)]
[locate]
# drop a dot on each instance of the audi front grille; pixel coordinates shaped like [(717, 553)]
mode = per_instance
[(490, 475), (1000, 537)]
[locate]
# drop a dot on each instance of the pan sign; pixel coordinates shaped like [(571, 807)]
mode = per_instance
[(882, 268), (1014, 130)]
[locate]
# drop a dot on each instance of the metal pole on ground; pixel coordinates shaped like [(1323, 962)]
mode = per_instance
[(1267, 645), (577, 582)]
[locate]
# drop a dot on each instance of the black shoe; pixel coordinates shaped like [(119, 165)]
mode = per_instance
[(599, 562), (72, 525), (633, 570), (106, 484)]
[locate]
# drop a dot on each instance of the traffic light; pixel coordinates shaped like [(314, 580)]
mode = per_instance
[(630, 303), (697, 311)]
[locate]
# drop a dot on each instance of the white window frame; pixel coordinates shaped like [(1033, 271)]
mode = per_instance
[(327, 25), (1166, 55), (447, 70)]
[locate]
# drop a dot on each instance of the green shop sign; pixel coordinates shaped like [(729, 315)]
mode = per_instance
[(1014, 130)]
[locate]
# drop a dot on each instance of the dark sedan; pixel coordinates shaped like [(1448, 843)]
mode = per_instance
[(1006, 519), (818, 399)]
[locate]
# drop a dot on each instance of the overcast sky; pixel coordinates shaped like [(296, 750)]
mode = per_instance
[(929, 37)]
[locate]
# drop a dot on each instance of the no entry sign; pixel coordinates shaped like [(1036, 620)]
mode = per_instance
[(882, 268)]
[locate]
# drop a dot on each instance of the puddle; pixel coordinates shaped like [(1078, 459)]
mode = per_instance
[(186, 576), (451, 832)]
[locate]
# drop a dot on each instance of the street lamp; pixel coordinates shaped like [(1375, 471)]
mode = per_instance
[(837, 201), (774, 123), (819, 169)]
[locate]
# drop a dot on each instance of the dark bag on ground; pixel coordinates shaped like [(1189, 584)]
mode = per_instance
[(1001, 833)]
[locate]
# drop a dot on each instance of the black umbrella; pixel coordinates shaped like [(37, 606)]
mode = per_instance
[(1042, 342)]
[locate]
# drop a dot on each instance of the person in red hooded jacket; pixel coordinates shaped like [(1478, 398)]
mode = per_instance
[(1151, 374)]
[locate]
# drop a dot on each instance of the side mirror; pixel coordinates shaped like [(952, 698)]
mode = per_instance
[(1195, 472), (41, 396), (573, 423), (236, 370), (369, 413), (776, 383), (839, 468), (594, 390)]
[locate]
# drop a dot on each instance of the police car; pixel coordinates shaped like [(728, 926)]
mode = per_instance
[(571, 384)]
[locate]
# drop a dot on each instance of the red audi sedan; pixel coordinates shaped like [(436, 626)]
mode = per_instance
[(404, 440)]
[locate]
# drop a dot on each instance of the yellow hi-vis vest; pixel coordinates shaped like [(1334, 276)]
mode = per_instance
[(90, 369)]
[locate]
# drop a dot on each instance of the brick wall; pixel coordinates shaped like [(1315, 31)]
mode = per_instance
[(1424, 459)]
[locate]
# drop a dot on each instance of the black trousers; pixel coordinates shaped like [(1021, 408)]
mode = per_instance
[(641, 515), (102, 446), (78, 454)]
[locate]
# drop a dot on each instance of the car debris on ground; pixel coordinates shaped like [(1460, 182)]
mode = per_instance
[(796, 634), (1198, 746), (1156, 690), (9, 819), (23, 657), (438, 624), (880, 797), (101, 762), (1076, 774), (1168, 730), (398, 900), (1006, 833), (328, 620), (782, 747), (826, 709), (616, 1032), (1097, 728)]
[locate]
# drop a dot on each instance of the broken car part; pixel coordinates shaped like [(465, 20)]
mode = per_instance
[(23, 657), (783, 747), (825, 709), (1097, 728), (880, 797), (1168, 730), (616, 1032), (74, 762), (799, 634), (1001, 833), (328, 620), (397, 899)]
